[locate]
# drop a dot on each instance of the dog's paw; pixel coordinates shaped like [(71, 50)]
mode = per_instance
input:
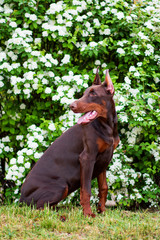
[(101, 208), (89, 214)]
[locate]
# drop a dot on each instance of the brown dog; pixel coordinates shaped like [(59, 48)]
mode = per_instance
[(80, 154)]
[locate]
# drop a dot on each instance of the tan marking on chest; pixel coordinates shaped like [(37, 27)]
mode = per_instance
[(116, 142), (102, 145)]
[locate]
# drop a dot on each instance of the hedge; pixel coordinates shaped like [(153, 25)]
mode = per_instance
[(49, 52)]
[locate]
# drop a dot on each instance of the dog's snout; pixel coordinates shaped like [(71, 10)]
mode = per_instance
[(73, 106)]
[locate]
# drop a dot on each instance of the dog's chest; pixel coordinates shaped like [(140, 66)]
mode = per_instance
[(102, 145)]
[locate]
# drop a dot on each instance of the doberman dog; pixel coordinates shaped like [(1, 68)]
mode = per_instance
[(80, 154)]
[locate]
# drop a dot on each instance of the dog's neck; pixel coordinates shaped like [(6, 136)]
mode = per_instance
[(104, 129)]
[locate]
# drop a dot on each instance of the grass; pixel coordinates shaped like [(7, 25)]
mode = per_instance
[(23, 223)]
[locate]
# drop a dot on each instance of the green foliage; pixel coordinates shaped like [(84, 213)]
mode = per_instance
[(48, 56)]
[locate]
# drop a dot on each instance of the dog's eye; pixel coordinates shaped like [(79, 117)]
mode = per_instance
[(92, 93)]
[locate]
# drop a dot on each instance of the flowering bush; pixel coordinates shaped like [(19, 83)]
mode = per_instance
[(49, 53)]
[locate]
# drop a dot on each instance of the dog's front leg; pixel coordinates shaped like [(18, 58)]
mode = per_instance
[(103, 191), (86, 170)]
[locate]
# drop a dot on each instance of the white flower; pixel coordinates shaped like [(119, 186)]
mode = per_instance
[(40, 138), (37, 155), (54, 61), (13, 161), (147, 53), (55, 98), (132, 196), (33, 17), (27, 165), (14, 168), (150, 102), (120, 43), (132, 69), (16, 191), (13, 24), (26, 91), (69, 24), (29, 152), (122, 99), (157, 80), (48, 90), (149, 25), (138, 195), (137, 52), (26, 85), (134, 92), (45, 34), (150, 47), (128, 18), (120, 15), (9, 175), (107, 31), (20, 159), (96, 21), (66, 59), (31, 138), (139, 64), (2, 20), (150, 8), (119, 197), (114, 11), (119, 108), (51, 74), (32, 145), (127, 80), (7, 9), (21, 169), (29, 75), (104, 65), (32, 127), (135, 46), (51, 127), (123, 118), (44, 81), (79, 81), (22, 106), (48, 64), (19, 175), (27, 15), (37, 40), (137, 74), (70, 93), (35, 53), (7, 149), (132, 182), (120, 51), (142, 36), (1, 84), (92, 44)]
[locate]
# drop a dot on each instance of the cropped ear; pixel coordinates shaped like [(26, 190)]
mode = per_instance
[(97, 80), (108, 83)]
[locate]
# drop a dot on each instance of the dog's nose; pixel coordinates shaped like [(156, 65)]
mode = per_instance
[(73, 106)]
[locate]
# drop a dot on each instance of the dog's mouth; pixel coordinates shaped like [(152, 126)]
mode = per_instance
[(87, 117)]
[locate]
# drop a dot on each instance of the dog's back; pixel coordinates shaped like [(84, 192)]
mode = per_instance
[(59, 163)]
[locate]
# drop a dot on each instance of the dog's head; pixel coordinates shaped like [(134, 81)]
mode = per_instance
[(96, 100)]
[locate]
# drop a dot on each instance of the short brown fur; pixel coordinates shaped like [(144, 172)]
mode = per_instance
[(80, 154)]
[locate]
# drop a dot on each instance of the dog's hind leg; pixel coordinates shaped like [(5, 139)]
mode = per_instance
[(103, 191), (50, 196)]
